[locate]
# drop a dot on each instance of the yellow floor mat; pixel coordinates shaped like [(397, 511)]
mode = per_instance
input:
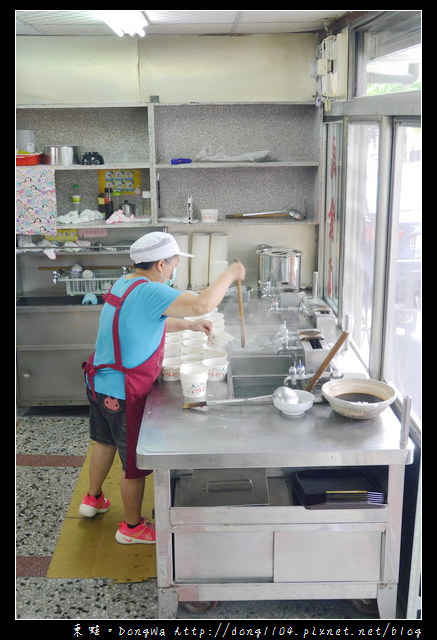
[(87, 548)]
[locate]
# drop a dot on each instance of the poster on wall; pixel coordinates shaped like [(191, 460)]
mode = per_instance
[(126, 181)]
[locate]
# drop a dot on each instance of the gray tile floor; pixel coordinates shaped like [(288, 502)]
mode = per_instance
[(42, 497)]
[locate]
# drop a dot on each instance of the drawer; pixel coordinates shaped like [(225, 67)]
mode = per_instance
[(328, 553), (223, 555)]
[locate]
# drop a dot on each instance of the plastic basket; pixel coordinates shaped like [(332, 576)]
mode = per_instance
[(99, 284)]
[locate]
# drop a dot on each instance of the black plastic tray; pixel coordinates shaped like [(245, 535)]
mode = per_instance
[(315, 486)]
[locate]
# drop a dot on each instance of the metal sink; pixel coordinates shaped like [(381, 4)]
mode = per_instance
[(257, 375), (44, 301)]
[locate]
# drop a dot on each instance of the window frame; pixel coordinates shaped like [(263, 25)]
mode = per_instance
[(359, 44), (388, 109)]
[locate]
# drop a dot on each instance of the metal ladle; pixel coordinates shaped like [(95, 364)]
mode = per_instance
[(286, 395), (282, 394), (293, 213)]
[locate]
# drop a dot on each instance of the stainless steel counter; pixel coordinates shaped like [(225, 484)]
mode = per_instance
[(282, 550), (259, 436)]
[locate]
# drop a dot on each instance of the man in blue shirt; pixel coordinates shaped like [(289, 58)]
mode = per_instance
[(140, 308)]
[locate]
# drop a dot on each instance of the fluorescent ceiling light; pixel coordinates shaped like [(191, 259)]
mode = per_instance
[(124, 22)]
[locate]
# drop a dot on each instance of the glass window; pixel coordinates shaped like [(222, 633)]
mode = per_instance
[(402, 356), (359, 234), (332, 219), (389, 54)]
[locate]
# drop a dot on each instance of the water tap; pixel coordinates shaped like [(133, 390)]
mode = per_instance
[(292, 373), (300, 371), (283, 337), (55, 275)]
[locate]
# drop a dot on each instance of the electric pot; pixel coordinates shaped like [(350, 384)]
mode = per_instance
[(280, 266)]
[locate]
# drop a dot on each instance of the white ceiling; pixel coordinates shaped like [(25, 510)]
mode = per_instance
[(83, 23)]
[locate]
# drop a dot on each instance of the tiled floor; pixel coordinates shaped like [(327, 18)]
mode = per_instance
[(51, 446)]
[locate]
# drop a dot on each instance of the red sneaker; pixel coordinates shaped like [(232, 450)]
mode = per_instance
[(90, 506), (144, 533)]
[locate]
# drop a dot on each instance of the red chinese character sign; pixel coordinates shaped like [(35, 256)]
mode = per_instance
[(332, 208)]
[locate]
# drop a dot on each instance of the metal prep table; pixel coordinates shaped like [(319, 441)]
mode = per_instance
[(280, 550)]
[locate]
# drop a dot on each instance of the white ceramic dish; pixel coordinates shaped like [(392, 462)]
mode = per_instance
[(360, 388), (306, 400)]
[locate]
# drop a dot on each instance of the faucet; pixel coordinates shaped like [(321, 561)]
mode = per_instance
[(295, 373), (292, 371), (274, 306), (283, 337), (55, 275)]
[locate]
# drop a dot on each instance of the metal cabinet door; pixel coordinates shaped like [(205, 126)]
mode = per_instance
[(331, 553), (55, 375), (222, 555)]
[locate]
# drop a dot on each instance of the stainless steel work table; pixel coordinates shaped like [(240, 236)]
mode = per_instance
[(270, 552)]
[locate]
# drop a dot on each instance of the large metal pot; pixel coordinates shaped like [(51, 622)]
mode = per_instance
[(60, 154), (279, 266)]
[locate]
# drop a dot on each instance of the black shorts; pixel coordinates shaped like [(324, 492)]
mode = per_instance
[(108, 422)]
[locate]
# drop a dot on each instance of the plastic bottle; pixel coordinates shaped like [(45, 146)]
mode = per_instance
[(116, 200), (75, 198), (146, 208)]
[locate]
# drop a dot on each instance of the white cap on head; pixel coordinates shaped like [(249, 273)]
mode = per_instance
[(154, 246)]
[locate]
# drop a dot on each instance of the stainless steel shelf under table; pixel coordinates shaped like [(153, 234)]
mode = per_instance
[(275, 551)]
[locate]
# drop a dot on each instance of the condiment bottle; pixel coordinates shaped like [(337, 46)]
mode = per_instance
[(108, 203), (101, 203), (75, 198), (146, 204)]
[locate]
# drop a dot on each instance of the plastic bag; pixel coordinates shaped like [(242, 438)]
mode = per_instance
[(206, 155)]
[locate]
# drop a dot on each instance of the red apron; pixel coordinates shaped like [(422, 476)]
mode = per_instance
[(137, 382)]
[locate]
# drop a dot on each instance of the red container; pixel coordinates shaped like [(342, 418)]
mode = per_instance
[(26, 159)]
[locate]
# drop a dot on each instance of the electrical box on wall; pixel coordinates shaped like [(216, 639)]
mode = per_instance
[(331, 68)]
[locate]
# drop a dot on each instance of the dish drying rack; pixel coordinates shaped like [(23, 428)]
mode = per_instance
[(99, 284)]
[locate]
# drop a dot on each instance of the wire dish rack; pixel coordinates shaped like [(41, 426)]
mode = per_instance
[(99, 284)]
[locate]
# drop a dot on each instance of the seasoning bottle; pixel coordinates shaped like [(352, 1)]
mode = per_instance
[(146, 209), (109, 208), (75, 198), (101, 203), (116, 200)]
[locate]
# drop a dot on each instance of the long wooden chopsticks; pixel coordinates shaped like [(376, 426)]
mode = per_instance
[(241, 312)]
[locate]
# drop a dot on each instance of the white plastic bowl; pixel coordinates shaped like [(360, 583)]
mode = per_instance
[(358, 410), (219, 340), (306, 400), (217, 368), (209, 215), (170, 369)]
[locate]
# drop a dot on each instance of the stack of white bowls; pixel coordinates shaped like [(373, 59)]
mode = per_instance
[(196, 346)]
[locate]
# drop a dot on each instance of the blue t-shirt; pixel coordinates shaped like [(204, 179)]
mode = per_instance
[(141, 325)]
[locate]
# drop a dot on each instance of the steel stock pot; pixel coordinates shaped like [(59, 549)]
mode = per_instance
[(279, 266)]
